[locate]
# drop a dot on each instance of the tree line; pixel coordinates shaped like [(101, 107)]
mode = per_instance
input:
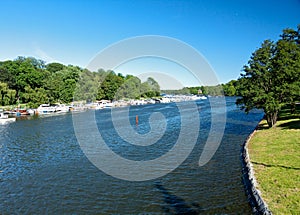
[(32, 81), (229, 89)]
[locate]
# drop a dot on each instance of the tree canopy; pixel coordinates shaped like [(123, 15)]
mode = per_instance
[(271, 79), (32, 81)]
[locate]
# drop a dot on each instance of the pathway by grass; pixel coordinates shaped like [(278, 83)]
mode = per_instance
[(275, 155)]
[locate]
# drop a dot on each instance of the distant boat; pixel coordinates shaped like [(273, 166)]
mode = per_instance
[(61, 108), (46, 109), (21, 112), (104, 104), (4, 119), (165, 100), (202, 97), (31, 112), (108, 105)]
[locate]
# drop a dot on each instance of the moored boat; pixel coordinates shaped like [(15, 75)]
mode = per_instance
[(46, 109), (52, 109), (62, 108), (4, 119), (31, 111), (22, 112)]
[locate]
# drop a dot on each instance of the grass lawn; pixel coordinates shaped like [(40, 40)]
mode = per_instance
[(275, 155)]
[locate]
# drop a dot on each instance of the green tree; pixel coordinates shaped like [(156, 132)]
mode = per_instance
[(131, 88), (87, 86), (150, 88), (61, 85), (202, 88), (22, 72), (55, 67), (271, 78), (3, 93), (230, 88), (10, 97), (287, 64), (153, 84), (109, 86), (6, 73), (214, 90), (146, 90), (35, 97), (7, 96), (257, 86), (194, 90)]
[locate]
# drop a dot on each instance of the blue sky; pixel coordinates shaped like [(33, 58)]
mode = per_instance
[(74, 31)]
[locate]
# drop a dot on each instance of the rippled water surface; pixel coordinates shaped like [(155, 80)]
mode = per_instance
[(43, 169)]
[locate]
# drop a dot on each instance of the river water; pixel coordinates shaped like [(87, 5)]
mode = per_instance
[(43, 169)]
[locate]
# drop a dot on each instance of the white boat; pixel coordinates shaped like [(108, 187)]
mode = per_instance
[(108, 105), (197, 97), (61, 108), (104, 104), (46, 109), (202, 97), (4, 119), (165, 100), (31, 112), (99, 106)]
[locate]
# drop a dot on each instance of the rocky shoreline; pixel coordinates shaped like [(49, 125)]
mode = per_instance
[(256, 202)]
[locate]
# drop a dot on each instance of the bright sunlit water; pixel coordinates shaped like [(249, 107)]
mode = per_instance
[(44, 171)]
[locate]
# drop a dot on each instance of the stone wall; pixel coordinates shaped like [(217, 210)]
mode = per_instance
[(253, 194)]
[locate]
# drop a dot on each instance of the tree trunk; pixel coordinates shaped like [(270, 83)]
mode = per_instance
[(293, 107), (271, 119)]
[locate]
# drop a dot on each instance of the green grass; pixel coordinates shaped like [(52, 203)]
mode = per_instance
[(275, 155)]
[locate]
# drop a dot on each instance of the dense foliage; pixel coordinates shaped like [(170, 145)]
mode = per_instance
[(271, 79), (229, 89), (32, 81)]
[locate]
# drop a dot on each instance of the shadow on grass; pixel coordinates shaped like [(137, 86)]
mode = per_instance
[(263, 126), (275, 165), (295, 124), (291, 125), (287, 114), (176, 205)]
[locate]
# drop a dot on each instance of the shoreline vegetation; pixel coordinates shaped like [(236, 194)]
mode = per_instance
[(274, 156), (76, 106), (31, 81)]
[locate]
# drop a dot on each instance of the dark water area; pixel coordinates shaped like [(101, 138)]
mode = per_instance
[(44, 171)]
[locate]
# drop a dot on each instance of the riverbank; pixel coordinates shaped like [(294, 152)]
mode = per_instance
[(274, 154), (18, 110)]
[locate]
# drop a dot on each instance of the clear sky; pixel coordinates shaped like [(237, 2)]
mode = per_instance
[(225, 32)]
